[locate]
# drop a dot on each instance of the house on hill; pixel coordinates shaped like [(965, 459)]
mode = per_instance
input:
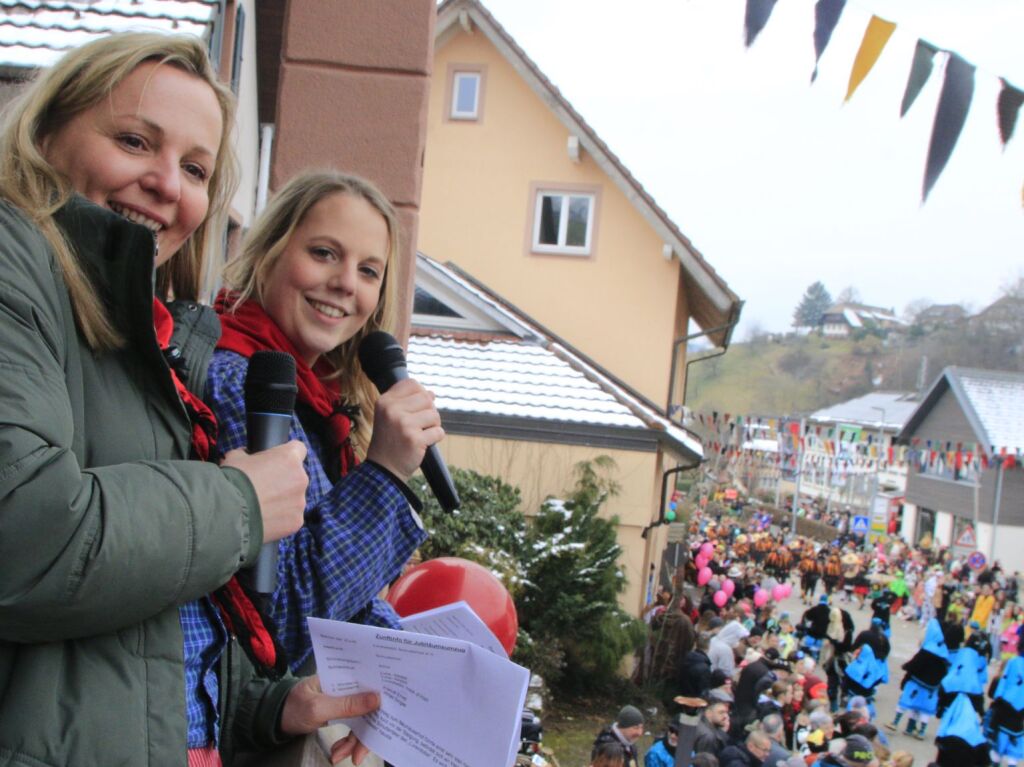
[(1005, 315), (967, 413), (521, 403), (940, 316), (520, 192), (841, 320)]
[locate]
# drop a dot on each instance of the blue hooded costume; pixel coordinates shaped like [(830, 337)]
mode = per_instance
[(968, 674), (1004, 723), (960, 740), (925, 671)]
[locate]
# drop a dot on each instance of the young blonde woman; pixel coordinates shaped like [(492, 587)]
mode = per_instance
[(114, 168), (313, 279)]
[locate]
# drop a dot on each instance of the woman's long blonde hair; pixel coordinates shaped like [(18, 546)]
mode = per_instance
[(82, 78), (247, 275)]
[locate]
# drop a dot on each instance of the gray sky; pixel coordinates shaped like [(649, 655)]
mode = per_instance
[(774, 179)]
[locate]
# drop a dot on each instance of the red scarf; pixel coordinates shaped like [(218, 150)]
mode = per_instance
[(204, 425), (237, 606), (249, 329)]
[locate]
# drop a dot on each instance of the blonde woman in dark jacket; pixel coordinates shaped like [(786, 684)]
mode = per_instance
[(114, 168)]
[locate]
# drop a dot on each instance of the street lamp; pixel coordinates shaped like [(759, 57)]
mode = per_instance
[(878, 471)]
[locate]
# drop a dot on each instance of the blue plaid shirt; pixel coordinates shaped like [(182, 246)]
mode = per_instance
[(357, 536)]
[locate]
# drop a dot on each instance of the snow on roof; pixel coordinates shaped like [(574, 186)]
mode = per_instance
[(527, 373), (35, 33), (997, 399), (879, 410), (505, 377)]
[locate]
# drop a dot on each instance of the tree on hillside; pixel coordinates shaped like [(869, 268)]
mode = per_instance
[(914, 308), (812, 306), (849, 295)]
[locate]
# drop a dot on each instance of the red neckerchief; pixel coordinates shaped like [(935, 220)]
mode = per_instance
[(204, 425), (249, 329), (237, 606)]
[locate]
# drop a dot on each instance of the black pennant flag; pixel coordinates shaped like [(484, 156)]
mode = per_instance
[(826, 16), (920, 71), (758, 12), (954, 102)]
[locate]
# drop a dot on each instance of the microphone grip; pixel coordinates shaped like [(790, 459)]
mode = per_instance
[(264, 431), (436, 472)]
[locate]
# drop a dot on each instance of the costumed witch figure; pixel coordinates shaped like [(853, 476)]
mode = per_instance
[(920, 698), (1004, 723), (870, 666), (960, 741), (968, 673), (814, 626), (835, 652)]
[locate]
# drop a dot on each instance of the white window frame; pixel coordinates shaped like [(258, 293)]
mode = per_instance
[(454, 112), (563, 223)]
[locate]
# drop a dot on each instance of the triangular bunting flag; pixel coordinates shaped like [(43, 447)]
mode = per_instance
[(757, 15), (920, 70), (954, 102), (1008, 106), (875, 37), (826, 16)]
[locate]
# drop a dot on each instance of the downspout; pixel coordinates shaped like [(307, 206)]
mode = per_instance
[(675, 354), (995, 512), (263, 175)]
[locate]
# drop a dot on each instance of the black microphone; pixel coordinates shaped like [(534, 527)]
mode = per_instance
[(269, 402), (383, 362)]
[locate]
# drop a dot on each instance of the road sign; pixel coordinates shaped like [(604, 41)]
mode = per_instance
[(976, 561), (967, 539), (859, 526)]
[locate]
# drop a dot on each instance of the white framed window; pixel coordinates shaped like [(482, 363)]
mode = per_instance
[(563, 222), (465, 96)]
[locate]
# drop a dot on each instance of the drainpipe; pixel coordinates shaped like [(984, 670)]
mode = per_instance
[(675, 354), (995, 513), (263, 175), (664, 491)]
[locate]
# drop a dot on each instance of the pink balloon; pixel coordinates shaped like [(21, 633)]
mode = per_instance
[(760, 598), (720, 598), (707, 550), (728, 587), (778, 592), (788, 587), (701, 561), (704, 576)]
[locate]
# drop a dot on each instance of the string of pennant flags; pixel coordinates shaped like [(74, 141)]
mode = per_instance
[(842, 446), (957, 87)]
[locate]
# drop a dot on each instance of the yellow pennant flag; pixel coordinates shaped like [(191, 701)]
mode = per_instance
[(875, 37)]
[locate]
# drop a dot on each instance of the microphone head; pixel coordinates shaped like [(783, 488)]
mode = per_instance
[(270, 383), (379, 354)]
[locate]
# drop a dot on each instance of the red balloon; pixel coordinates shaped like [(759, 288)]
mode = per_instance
[(445, 580)]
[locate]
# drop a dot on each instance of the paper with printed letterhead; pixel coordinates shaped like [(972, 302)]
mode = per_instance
[(455, 621), (444, 701)]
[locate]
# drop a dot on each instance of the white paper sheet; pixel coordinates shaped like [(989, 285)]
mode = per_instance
[(444, 702), (455, 621)]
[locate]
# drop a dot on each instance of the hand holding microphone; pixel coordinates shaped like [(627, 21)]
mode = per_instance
[(272, 463)]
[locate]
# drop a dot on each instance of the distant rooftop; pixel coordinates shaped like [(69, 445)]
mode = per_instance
[(879, 410)]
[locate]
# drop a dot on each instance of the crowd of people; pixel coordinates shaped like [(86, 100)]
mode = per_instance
[(751, 685)]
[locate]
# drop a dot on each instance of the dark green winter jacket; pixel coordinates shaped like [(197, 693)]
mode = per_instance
[(105, 527)]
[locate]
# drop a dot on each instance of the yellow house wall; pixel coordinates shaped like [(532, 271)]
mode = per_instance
[(620, 305), (541, 470)]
